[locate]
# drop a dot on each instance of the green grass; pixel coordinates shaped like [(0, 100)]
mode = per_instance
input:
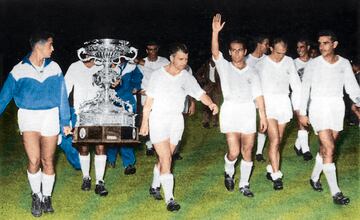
[(198, 179)]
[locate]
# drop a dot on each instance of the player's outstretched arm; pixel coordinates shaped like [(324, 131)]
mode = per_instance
[(217, 26)]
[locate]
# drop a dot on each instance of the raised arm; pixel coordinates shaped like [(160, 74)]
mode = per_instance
[(217, 26)]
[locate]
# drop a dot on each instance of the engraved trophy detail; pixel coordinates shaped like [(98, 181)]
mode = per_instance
[(106, 118)]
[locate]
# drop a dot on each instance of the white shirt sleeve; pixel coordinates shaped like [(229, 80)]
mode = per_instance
[(146, 76), (258, 67), (351, 86), (192, 87), (151, 87), (69, 80), (220, 64), (305, 88), (256, 90), (188, 68), (295, 84)]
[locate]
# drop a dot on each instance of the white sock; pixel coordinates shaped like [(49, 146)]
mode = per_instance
[(100, 163), (156, 177), (47, 184), (297, 141), (85, 165), (318, 167), (167, 183), (35, 182), (303, 135), (148, 144), (269, 169), (276, 175), (260, 142), (330, 173), (245, 171), (229, 166)]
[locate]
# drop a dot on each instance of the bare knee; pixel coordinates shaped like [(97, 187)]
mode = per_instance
[(328, 154), (100, 150), (274, 144), (233, 141), (83, 150), (246, 152), (165, 164), (48, 165), (34, 164), (275, 141), (326, 145), (233, 154)]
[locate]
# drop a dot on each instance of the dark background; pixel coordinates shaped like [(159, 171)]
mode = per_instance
[(188, 21)]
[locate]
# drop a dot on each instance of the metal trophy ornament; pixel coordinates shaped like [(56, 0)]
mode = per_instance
[(106, 118)]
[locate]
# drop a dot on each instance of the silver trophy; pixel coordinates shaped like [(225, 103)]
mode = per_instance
[(106, 118)]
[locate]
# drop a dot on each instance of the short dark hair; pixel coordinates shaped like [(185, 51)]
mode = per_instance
[(175, 47), (304, 40), (277, 40), (238, 41), (328, 33), (39, 36), (260, 39), (151, 43)]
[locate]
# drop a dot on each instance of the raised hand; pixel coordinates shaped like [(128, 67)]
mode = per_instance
[(217, 26)]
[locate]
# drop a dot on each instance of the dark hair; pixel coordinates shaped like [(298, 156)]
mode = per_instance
[(259, 39), (278, 40), (304, 40), (328, 33), (238, 41), (39, 37), (315, 47), (151, 43), (174, 48)]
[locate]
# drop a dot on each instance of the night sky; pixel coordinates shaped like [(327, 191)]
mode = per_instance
[(74, 22)]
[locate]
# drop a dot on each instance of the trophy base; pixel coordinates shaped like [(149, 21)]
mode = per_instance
[(105, 135)]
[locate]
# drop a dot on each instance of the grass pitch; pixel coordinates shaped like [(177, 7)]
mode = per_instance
[(199, 186)]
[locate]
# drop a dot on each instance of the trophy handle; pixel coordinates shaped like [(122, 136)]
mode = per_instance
[(132, 50), (98, 62), (82, 55)]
